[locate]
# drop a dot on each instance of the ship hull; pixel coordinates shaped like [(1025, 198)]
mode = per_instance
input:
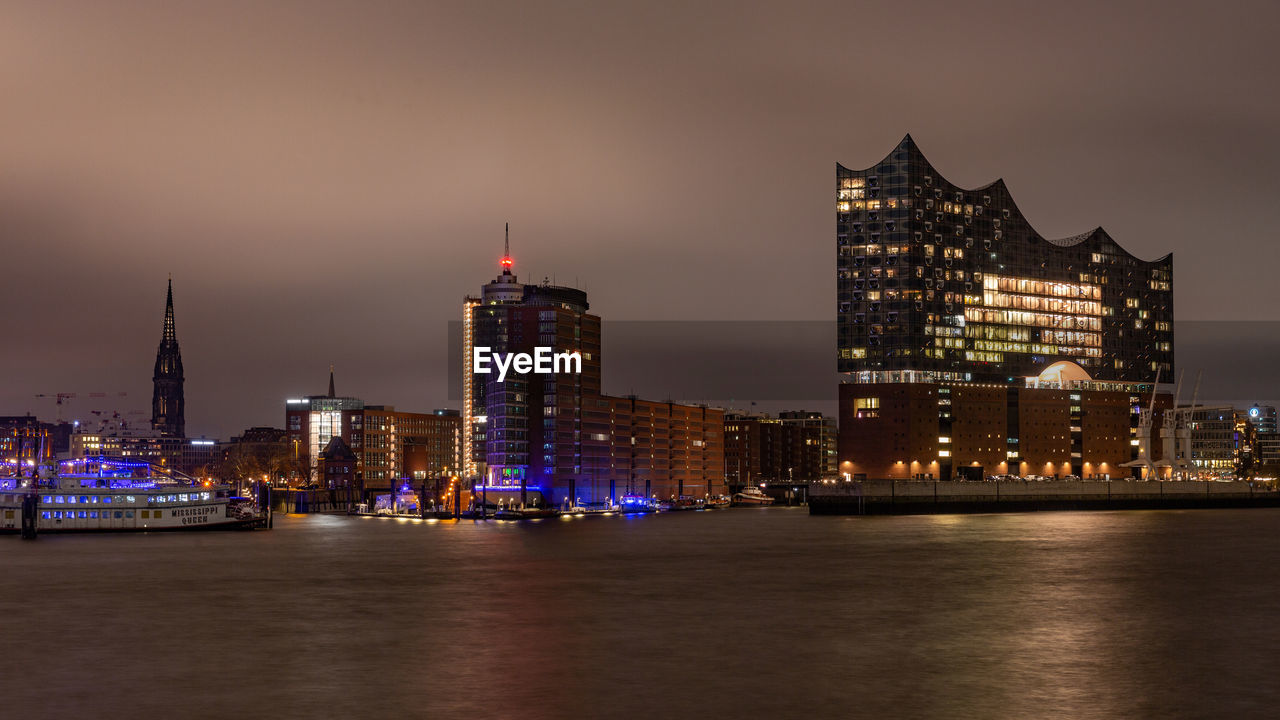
[(97, 510)]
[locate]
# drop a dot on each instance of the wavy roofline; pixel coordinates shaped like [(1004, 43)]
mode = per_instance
[(1097, 234)]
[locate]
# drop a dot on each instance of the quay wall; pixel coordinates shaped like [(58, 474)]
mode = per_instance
[(312, 501), (899, 497)]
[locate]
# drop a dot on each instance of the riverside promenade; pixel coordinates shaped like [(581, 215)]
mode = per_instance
[(908, 497)]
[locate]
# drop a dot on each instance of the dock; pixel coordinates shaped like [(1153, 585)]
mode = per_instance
[(922, 497)]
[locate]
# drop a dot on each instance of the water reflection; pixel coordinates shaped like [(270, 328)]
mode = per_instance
[(752, 614)]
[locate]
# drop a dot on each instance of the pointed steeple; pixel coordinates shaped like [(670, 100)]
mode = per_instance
[(170, 331), (331, 392), (506, 252), (167, 402)]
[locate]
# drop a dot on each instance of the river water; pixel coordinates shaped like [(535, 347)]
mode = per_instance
[(732, 613)]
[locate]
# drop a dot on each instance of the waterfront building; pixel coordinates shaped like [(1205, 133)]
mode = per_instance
[(1218, 444), (198, 457), (379, 435), (484, 324), (946, 431), (971, 345), (312, 421), (534, 422), (556, 435), (124, 443), (654, 449), (400, 445), (941, 283), (827, 434), (761, 449), (168, 412), (338, 466)]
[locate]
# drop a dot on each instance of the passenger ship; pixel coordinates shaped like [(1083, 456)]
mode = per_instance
[(100, 495)]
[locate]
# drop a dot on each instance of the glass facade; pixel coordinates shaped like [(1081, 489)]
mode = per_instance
[(940, 283)]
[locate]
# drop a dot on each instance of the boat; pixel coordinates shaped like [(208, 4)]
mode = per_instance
[(110, 495), (683, 504), (525, 513), (751, 495), (637, 504)]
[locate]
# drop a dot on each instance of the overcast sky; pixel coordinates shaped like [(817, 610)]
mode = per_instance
[(326, 180)]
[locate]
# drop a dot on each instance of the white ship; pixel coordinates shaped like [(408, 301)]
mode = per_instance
[(102, 495), (751, 495)]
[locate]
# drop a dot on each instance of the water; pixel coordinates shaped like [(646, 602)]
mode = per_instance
[(737, 613)]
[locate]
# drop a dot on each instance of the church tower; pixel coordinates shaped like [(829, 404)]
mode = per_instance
[(167, 416)]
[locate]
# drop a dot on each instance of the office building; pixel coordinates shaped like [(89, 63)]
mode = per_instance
[(380, 436), (1263, 418), (556, 435)]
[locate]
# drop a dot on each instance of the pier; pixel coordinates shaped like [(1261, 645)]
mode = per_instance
[(917, 497)]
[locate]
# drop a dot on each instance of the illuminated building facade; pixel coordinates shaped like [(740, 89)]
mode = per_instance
[(527, 429), (380, 436), (555, 438), (25, 442), (534, 420), (146, 446), (940, 283), (1263, 418), (1219, 441), (484, 324), (972, 346), (971, 431), (635, 447)]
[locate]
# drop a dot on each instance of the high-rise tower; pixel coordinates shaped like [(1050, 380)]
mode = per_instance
[(167, 412)]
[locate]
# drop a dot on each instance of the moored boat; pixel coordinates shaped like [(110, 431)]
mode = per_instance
[(105, 495), (682, 504), (637, 504), (525, 513), (751, 496)]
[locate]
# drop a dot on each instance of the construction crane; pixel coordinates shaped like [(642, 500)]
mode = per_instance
[(63, 396), (60, 397)]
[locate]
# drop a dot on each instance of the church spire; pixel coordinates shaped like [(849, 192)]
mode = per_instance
[(170, 331), (167, 403), (331, 392)]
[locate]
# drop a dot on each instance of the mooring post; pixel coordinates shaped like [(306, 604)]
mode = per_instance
[(30, 508)]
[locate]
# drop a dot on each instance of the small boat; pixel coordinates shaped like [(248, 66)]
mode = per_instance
[(637, 504), (525, 513), (684, 504), (751, 496)]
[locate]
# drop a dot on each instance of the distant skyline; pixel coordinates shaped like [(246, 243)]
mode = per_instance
[(327, 181)]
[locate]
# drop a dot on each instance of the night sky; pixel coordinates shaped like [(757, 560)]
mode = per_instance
[(326, 180)]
